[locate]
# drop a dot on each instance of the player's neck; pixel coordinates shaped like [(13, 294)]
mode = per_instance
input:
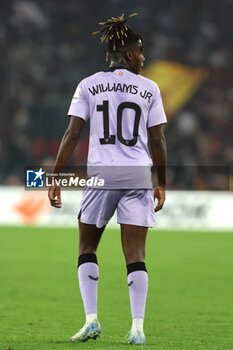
[(120, 62)]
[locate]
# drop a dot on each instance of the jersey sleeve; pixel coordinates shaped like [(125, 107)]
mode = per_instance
[(156, 112), (79, 106)]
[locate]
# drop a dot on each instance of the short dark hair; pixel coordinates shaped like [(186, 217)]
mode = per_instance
[(117, 34)]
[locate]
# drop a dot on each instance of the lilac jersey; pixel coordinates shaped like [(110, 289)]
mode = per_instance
[(121, 106)]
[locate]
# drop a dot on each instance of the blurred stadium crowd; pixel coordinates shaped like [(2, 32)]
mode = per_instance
[(47, 48)]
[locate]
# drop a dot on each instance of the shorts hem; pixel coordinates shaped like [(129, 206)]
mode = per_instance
[(136, 224), (91, 223)]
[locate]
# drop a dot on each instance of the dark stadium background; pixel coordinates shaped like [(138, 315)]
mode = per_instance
[(47, 48)]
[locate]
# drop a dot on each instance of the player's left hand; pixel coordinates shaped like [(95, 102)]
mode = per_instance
[(159, 193), (54, 195)]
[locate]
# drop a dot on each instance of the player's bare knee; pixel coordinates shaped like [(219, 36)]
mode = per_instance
[(131, 257), (86, 250), (87, 247)]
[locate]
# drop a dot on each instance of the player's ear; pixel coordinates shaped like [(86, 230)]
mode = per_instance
[(128, 55)]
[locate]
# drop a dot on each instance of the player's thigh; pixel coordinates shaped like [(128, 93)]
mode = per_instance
[(133, 240), (89, 238), (97, 207)]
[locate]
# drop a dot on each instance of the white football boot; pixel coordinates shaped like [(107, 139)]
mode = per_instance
[(136, 337), (91, 330)]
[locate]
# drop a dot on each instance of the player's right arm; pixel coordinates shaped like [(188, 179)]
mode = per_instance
[(67, 146), (159, 156)]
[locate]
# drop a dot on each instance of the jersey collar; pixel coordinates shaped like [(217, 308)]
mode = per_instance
[(112, 69)]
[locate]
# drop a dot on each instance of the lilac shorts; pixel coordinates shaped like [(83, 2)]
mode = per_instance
[(134, 207)]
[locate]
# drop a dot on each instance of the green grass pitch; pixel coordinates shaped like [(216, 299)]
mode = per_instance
[(190, 297)]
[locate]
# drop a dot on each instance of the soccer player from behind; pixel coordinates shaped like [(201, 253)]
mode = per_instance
[(124, 109)]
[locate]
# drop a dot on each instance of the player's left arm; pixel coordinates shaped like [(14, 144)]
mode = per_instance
[(67, 146), (159, 156)]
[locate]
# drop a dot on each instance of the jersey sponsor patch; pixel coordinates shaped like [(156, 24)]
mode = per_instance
[(76, 95)]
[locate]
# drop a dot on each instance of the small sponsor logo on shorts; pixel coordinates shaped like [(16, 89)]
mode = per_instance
[(130, 283)]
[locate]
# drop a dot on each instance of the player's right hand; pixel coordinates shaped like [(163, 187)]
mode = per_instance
[(54, 195), (159, 193)]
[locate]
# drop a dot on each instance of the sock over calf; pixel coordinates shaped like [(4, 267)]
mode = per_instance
[(138, 285), (88, 275)]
